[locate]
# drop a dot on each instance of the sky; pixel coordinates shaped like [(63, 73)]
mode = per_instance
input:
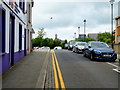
[(68, 15)]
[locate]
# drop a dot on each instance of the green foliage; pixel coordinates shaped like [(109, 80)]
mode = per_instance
[(41, 33), (105, 37), (39, 42), (86, 39), (63, 44)]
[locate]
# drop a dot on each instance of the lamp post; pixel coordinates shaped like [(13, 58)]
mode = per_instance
[(84, 27), (78, 31), (111, 2), (74, 35)]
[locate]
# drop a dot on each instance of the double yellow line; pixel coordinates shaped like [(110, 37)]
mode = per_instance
[(57, 73)]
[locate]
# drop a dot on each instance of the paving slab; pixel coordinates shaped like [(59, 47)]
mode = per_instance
[(29, 72)]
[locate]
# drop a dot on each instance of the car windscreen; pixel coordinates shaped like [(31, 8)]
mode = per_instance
[(81, 44), (72, 43), (99, 45)]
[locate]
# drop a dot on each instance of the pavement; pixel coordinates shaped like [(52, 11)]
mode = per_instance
[(33, 71)]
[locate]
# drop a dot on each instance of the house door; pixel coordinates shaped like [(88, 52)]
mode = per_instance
[(11, 40)]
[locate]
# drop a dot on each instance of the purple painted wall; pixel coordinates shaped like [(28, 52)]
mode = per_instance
[(5, 62), (18, 56), (6, 58), (0, 65)]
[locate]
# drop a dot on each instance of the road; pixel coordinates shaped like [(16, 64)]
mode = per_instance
[(79, 72), (61, 69)]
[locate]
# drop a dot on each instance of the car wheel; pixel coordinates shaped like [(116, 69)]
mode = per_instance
[(73, 50), (84, 54), (91, 57)]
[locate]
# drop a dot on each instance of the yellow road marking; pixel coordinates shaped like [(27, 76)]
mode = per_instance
[(59, 73), (55, 72)]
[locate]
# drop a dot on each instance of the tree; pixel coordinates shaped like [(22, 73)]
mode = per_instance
[(87, 39), (105, 37), (41, 33), (63, 44)]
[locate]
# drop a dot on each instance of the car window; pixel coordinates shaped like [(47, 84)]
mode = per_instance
[(99, 45)]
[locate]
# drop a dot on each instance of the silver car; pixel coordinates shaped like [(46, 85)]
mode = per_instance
[(79, 47)]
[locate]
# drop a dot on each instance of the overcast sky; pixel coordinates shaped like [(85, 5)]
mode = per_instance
[(67, 16)]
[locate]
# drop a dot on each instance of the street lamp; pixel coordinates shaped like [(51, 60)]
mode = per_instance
[(78, 31), (111, 2), (84, 27), (74, 35)]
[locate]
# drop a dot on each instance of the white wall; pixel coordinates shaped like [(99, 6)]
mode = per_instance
[(16, 33)]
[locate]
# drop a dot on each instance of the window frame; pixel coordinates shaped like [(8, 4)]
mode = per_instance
[(3, 31)]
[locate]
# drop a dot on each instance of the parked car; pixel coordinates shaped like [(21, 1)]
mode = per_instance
[(45, 47), (71, 45), (36, 47), (99, 51), (79, 47), (66, 46), (58, 48)]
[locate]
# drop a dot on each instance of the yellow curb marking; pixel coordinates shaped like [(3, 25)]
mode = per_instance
[(59, 71)]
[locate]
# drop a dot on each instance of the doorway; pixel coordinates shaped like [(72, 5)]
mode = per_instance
[(11, 39), (25, 42)]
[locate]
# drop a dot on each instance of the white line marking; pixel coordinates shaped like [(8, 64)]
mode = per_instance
[(116, 70), (112, 64)]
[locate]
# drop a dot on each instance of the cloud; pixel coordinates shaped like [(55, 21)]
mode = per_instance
[(67, 16)]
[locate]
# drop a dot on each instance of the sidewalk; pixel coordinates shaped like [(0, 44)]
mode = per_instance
[(30, 72)]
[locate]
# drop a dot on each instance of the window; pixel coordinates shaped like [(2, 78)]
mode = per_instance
[(29, 14), (20, 37), (118, 22), (21, 4), (118, 39), (2, 30)]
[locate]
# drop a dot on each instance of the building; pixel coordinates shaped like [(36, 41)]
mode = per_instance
[(117, 33), (81, 36), (93, 35), (15, 31)]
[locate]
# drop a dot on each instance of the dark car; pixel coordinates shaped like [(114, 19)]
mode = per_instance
[(79, 47), (100, 51)]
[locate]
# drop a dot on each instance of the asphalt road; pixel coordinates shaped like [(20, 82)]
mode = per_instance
[(81, 72)]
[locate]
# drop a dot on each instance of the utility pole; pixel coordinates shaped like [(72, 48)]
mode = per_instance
[(84, 27), (111, 2)]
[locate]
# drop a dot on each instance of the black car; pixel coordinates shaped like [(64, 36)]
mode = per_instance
[(100, 51)]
